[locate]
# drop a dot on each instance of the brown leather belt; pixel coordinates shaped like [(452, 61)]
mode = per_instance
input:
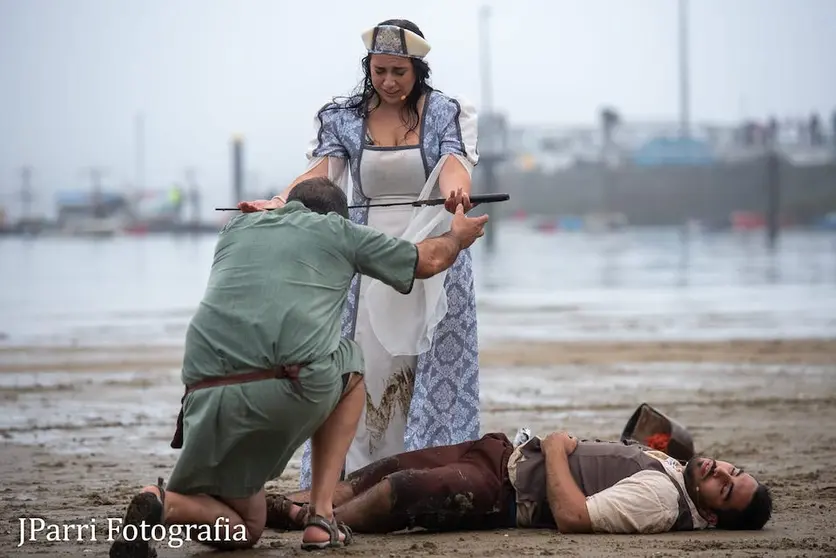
[(283, 372)]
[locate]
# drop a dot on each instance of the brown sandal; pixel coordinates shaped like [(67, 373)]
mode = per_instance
[(279, 516), (333, 528), (147, 508)]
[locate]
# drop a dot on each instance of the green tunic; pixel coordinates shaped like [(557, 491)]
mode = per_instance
[(275, 295)]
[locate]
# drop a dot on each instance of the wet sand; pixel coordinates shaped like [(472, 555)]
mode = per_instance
[(84, 427)]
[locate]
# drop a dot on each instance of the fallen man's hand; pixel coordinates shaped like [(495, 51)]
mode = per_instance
[(560, 440)]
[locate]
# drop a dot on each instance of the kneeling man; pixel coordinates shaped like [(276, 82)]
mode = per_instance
[(265, 367)]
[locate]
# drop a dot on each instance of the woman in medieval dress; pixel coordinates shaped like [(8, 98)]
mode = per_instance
[(398, 139)]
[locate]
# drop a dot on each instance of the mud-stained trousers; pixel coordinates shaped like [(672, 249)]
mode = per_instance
[(448, 488)]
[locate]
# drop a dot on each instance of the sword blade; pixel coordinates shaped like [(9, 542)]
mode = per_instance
[(475, 200)]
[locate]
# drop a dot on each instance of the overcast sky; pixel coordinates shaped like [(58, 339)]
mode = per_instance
[(74, 73)]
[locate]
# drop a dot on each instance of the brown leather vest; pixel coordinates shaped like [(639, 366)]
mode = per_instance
[(595, 466)]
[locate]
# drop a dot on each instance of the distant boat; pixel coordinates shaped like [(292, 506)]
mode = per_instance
[(91, 213), (94, 226), (662, 151), (593, 222)]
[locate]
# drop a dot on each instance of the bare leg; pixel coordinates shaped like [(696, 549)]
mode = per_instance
[(329, 446), (342, 494), (370, 512), (282, 513), (367, 512), (238, 522), (202, 509)]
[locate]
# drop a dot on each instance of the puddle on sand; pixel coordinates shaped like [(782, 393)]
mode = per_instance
[(579, 388), (74, 412), (130, 413), (70, 381)]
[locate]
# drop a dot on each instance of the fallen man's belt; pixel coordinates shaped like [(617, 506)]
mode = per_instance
[(289, 372)]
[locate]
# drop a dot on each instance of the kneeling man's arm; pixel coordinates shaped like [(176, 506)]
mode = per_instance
[(437, 254), (398, 262), (440, 252)]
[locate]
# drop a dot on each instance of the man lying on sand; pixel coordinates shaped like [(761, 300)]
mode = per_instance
[(266, 369), (557, 482)]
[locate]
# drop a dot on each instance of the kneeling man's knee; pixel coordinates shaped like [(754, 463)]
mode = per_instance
[(238, 540), (254, 532)]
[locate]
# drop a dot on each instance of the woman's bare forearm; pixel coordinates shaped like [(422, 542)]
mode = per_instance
[(320, 170), (452, 177)]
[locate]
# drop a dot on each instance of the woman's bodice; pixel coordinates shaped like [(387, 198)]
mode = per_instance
[(391, 171), (448, 126)]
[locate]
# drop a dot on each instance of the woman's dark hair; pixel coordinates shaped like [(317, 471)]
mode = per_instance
[(361, 101)]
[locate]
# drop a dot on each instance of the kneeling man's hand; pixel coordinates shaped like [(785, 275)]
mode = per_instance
[(467, 229), (260, 205)]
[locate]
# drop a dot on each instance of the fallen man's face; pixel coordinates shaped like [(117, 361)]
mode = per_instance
[(718, 485)]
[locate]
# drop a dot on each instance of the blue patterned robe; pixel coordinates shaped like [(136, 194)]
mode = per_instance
[(445, 404)]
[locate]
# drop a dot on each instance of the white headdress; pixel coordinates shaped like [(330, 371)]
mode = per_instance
[(397, 41)]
